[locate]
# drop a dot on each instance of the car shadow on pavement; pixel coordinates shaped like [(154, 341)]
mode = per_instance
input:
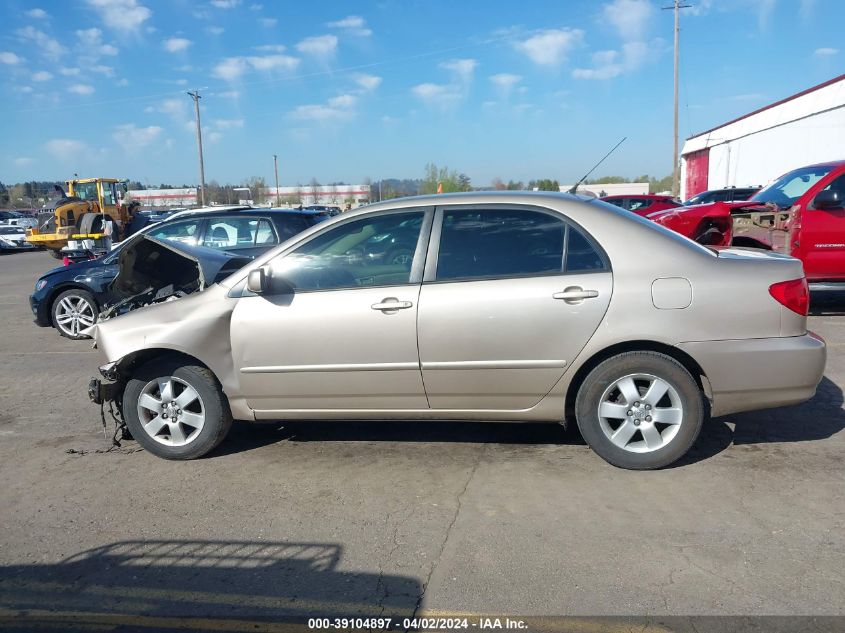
[(205, 585), (245, 436), (817, 419)]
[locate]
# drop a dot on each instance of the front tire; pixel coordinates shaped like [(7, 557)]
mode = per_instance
[(73, 311), (640, 410), (176, 410)]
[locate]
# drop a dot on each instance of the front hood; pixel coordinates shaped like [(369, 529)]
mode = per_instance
[(152, 270)]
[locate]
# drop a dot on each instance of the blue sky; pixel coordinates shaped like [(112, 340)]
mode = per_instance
[(342, 91)]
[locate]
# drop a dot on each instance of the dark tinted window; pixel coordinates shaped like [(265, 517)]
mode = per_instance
[(291, 225), (619, 202), (506, 243), (373, 251), (580, 253)]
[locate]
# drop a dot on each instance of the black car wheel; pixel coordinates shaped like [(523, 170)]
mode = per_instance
[(73, 311)]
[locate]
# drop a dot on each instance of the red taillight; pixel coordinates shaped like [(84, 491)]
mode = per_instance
[(794, 294)]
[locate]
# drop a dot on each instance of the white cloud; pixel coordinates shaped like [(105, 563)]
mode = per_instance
[(47, 46), (233, 68), (256, 7), (806, 9), (8, 57), (225, 4), (213, 137), (176, 108), (825, 52), (66, 149), (37, 14), (368, 82), (552, 46), (463, 68), (764, 13), (228, 124), (436, 94), (176, 44), (132, 137), (23, 161), (505, 80), (339, 108), (271, 48), (630, 17), (268, 23), (24, 89), (611, 63), (123, 82), (352, 24), (108, 71), (319, 46), (343, 101), (92, 46), (215, 30), (81, 89), (228, 94), (126, 16), (320, 113), (68, 72), (42, 75)]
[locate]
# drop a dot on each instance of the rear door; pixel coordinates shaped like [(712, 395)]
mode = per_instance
[(510, 295)]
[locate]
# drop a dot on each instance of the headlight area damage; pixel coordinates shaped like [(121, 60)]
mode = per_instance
[(151, 272)]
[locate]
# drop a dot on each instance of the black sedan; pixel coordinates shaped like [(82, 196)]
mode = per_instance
[(70, 298)]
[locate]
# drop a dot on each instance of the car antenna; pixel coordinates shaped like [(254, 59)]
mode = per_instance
[(574, 188)]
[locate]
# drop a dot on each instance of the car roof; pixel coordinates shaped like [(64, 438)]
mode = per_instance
[(650, 196), (237, 210)]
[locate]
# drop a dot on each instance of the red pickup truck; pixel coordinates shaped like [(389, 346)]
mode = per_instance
[(802, 214)]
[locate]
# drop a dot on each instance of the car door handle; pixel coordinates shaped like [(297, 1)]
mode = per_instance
[(575, 294), (391, 304)]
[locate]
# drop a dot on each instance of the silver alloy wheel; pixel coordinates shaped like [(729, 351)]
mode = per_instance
[(74, 314), (171, 411), (640, 413)]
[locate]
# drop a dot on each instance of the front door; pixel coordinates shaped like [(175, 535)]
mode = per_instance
[(511, 298), (823, 239), (345, 338)]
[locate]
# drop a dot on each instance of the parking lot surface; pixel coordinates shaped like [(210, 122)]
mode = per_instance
[(393, 518)]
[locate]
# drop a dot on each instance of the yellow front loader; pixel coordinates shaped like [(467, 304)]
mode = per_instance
[(82, 213)]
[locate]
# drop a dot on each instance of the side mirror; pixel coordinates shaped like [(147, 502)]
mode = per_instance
[(829, 199), (258, 281), (261, 281)]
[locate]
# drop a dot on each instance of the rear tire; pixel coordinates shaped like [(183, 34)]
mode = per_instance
[(73, 311), (640, 410), (176, 410)]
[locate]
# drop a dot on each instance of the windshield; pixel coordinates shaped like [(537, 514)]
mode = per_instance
[(786, 190)]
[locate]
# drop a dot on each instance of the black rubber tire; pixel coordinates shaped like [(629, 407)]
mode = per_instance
[(75, 292), (660, 365), (56, 254), (218, 416), (91, 223)]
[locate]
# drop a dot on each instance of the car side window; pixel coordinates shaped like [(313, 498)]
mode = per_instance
[(290, 226), (581, 255), (185, 232), (477, 244), (639, 203), (231, 233), (838, 184), (373, 251)]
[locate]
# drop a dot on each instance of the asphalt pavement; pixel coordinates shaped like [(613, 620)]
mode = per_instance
[(400, 518)]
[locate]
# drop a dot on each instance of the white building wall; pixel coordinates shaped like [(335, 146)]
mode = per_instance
[(611, 189), (761, 157), (756, 149)]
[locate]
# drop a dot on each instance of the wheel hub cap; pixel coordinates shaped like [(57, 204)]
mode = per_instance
[(640, 413)]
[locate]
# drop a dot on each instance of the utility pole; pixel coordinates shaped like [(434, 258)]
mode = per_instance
[(676, 7), (276, 168), (195, 95)]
